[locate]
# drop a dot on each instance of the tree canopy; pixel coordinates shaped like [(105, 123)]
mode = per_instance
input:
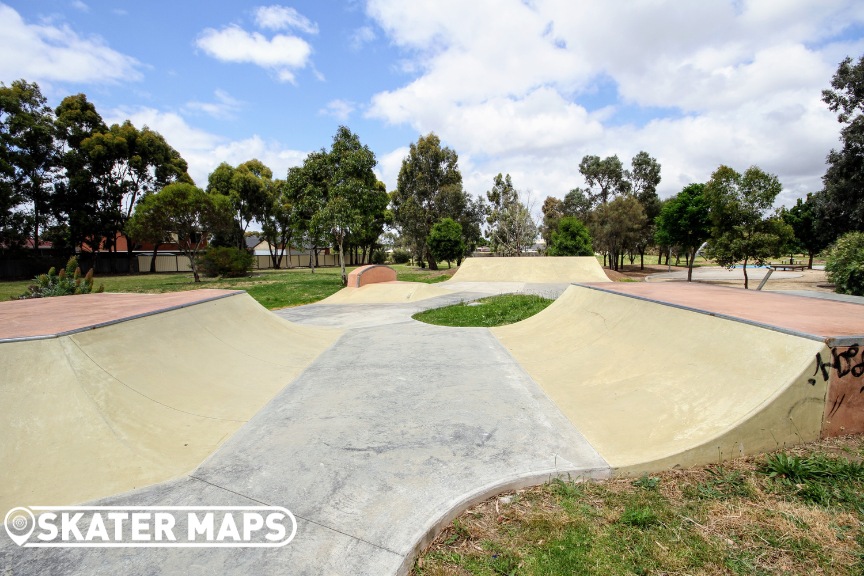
[(571, 238), (428, 189), (842, 203), (684, 221), (445, 241), (739, 205), (187, 213), (512, 229)]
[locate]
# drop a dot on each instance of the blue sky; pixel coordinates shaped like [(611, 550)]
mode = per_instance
[(525, 87)]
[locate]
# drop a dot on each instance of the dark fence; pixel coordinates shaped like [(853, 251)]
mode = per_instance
[(26, 268)]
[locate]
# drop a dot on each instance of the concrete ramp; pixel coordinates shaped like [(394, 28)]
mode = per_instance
[(101, 411), (387, 293), (534, 270), (653, 387)]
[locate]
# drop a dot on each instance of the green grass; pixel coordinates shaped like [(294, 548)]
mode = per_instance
[(799, 514), (271, 288), (408, 273), (486, 312)]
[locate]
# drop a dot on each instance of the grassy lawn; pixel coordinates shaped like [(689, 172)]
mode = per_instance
[(486, 312), (797, 512), (271, 288), (408, 273)]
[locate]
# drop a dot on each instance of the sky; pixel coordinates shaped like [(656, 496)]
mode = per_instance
[(525, 87)]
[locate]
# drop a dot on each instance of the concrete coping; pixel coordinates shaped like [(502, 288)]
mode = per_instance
[(66, 315), (713, 308), (371, 274)]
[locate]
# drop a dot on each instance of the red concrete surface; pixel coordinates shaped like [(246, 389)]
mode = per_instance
[(48, 316), (371, 274), (823, 318)]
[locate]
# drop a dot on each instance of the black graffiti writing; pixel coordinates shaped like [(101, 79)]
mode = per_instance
[(843, 361)]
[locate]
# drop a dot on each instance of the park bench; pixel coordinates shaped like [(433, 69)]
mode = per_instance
[(787, 266)]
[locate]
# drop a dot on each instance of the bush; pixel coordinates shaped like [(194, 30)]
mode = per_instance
[(67, 283), (401, 257), (378, 257), (225, 262), (844, 264), (445, 241), (570, 239)]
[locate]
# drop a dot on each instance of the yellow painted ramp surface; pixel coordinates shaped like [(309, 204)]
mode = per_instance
[(387, 293), (534, 270), (653, 387), (108, 410)]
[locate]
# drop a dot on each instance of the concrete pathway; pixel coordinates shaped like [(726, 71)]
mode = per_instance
[(722, 274), (388, 435)]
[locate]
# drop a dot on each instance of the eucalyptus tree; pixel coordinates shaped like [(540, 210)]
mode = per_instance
[(28, 159), (429, 188), (246, 188), (684, 221), (743, 230), (842, 203), (185, 212), (511, 228)]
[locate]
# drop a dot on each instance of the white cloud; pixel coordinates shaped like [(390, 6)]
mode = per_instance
[(521, 87), (361, 36), (79, 5), (389, 165), (225, 105), (282, 54), (56, 53), (283, 18), (204, 151), (339, 109)]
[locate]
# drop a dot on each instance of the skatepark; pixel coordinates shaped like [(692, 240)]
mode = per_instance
[(341, 412)]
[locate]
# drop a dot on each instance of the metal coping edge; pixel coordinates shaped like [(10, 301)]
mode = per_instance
[(831, 341)]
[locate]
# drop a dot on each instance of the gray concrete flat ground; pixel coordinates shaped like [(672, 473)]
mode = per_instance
[(826, 296), (718, 273), (383, 439)]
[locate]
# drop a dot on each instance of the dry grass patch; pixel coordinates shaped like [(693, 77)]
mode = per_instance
[(742, 517)]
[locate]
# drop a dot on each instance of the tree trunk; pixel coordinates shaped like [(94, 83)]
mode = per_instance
[(642, 259), (342, 263), (130, 248), (746, 286), (313, 255), (690, 267), (810, 263), (433, 265), (153, 257)]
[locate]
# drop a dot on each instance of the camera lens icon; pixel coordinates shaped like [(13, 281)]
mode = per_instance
[(19, 524)]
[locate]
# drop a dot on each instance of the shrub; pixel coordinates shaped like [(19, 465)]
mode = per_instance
[(67, 282), (225, 262), (570, 239), (378, 257), (844, 264), (401, 256), (445, 241)]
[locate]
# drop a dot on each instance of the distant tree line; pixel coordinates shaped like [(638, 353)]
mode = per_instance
[(731, 213), (67, 177)]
